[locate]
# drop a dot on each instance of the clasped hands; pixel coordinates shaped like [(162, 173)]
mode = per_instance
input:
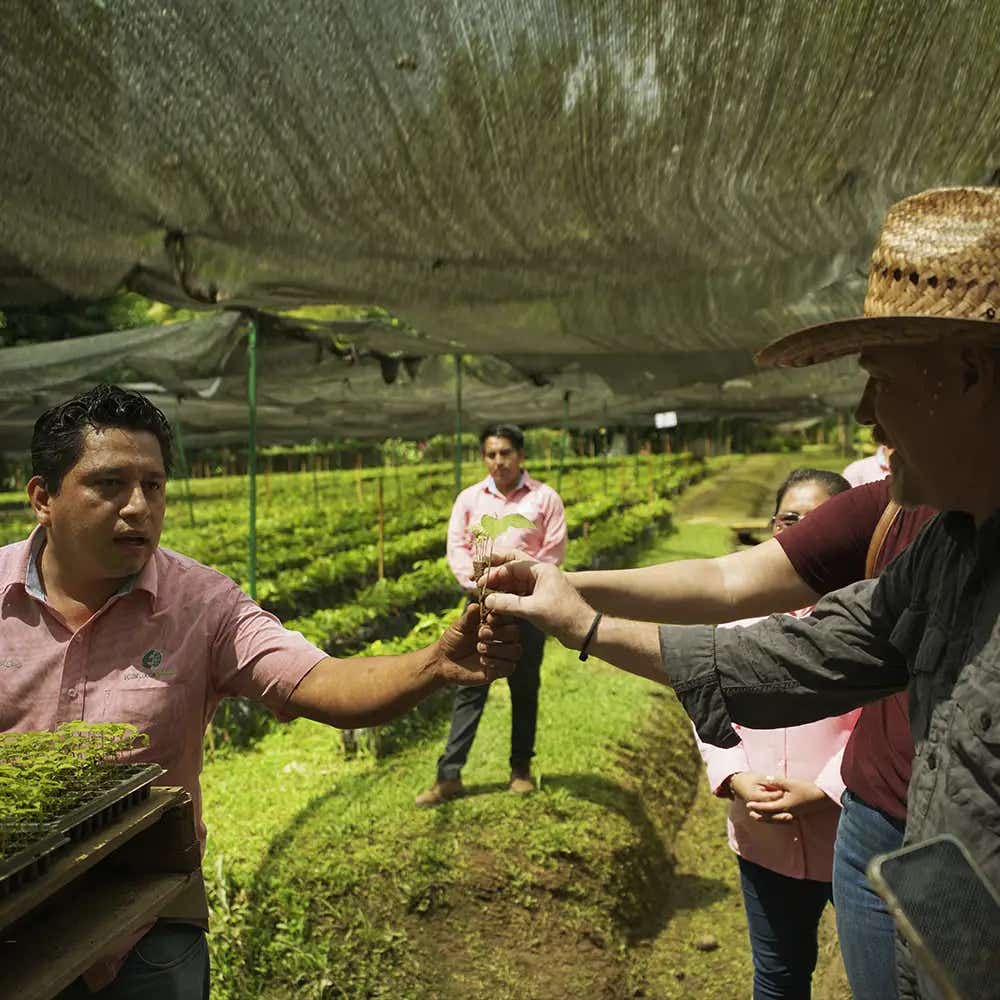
[(771, 799)]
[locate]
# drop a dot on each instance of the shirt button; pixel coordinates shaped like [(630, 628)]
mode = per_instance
[(71, 692), (932, 760)]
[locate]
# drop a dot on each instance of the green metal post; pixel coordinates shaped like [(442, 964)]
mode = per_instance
[(458, 423), (252, 454), (185, 470), (315, 462), (562, 440)]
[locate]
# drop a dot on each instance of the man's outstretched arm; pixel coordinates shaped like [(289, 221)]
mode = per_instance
[(746, 584), (781, 672), (369, 690)]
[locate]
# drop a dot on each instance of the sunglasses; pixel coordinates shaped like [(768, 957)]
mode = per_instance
[(786, 518)]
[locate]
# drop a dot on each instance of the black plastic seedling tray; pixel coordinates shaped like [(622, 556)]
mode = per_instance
[(30, 862), (104, 808)]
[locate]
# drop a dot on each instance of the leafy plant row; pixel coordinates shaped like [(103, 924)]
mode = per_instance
[(389, 606), (301, 539)]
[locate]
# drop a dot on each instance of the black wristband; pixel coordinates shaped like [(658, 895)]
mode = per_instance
[(591, 632)]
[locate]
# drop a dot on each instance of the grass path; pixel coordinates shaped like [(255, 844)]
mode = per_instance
[(326, 882)]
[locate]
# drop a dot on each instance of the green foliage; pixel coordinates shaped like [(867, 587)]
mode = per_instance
[(46, 774), (326, 883), (69, 318)]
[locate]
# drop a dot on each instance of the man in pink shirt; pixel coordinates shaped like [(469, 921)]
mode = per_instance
[(99, 624), (508, 489)]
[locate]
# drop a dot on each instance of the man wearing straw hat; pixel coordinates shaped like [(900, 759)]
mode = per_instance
[(929, 343)]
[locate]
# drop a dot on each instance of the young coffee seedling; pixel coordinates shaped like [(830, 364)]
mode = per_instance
[(484, 535), (46, 774)]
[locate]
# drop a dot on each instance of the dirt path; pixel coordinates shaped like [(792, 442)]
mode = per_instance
[(747, 490), (704, 898)]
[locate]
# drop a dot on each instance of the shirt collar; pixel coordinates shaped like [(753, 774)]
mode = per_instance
[(524, 482), (28, 575), (961, 526)]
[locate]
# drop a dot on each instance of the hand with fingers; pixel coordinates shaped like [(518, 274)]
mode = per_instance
[(478, 652), (541, 594), (771, 799)]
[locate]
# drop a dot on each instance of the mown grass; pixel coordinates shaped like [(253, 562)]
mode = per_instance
[(326, 882)]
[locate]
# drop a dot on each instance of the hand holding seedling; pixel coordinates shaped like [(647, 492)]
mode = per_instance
[(484, 536), (477, 651), (540, 593)]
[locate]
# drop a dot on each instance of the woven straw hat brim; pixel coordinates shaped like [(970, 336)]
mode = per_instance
[(841, 337)]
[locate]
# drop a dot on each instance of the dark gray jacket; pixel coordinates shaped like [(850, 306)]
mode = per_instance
[(929, 624)]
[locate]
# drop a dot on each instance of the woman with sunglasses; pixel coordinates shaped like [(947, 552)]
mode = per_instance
[(785, 788)]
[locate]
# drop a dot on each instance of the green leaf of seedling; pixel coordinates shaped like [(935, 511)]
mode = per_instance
[(515, 521), (494, 527)]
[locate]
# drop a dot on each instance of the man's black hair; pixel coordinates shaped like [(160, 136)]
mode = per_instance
[(511, 432), (57, 441), (832, 482)]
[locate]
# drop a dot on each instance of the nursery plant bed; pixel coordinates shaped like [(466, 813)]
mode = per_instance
[(103, 885)]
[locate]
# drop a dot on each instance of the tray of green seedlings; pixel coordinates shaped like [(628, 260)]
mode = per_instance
[(60, 786)]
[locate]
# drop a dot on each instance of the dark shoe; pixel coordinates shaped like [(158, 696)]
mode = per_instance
[(521, 782), (440, 792)]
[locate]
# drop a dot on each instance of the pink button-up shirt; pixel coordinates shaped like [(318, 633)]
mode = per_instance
[(161, 654), (802, 848), (538, 502), (870, 469)]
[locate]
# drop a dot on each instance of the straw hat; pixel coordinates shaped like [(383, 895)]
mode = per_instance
[(935, 274)]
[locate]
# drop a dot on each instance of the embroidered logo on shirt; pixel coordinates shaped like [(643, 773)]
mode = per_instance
[(151, 665), (9, 664), (152, 659)]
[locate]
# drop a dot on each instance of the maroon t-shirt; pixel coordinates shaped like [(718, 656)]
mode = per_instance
[(828, 550)]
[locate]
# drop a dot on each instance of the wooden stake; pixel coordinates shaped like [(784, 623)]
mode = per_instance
[(381, 532), (357, 478)]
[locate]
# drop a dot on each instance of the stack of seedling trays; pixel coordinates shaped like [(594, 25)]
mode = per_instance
[(89, 850)]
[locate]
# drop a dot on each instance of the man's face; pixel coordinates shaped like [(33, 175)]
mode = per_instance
[(503, 461), (106, 519), (913, 402)]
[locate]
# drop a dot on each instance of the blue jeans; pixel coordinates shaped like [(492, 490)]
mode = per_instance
[(169, 963), (783, 919), (865, 927)]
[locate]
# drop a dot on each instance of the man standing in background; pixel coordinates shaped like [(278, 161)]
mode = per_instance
[(508, 489)]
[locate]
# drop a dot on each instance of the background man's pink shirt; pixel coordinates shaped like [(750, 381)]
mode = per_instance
[(538, 502), (802, 848)]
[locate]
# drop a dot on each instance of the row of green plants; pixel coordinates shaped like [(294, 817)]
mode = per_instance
[(409, 604)]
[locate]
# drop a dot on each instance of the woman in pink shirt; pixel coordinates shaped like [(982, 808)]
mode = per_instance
[(785, 788)]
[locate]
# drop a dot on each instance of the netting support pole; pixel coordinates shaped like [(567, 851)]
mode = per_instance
[(185, 469), (563, 440), (315, 463), (458, 424), (252, 454)]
